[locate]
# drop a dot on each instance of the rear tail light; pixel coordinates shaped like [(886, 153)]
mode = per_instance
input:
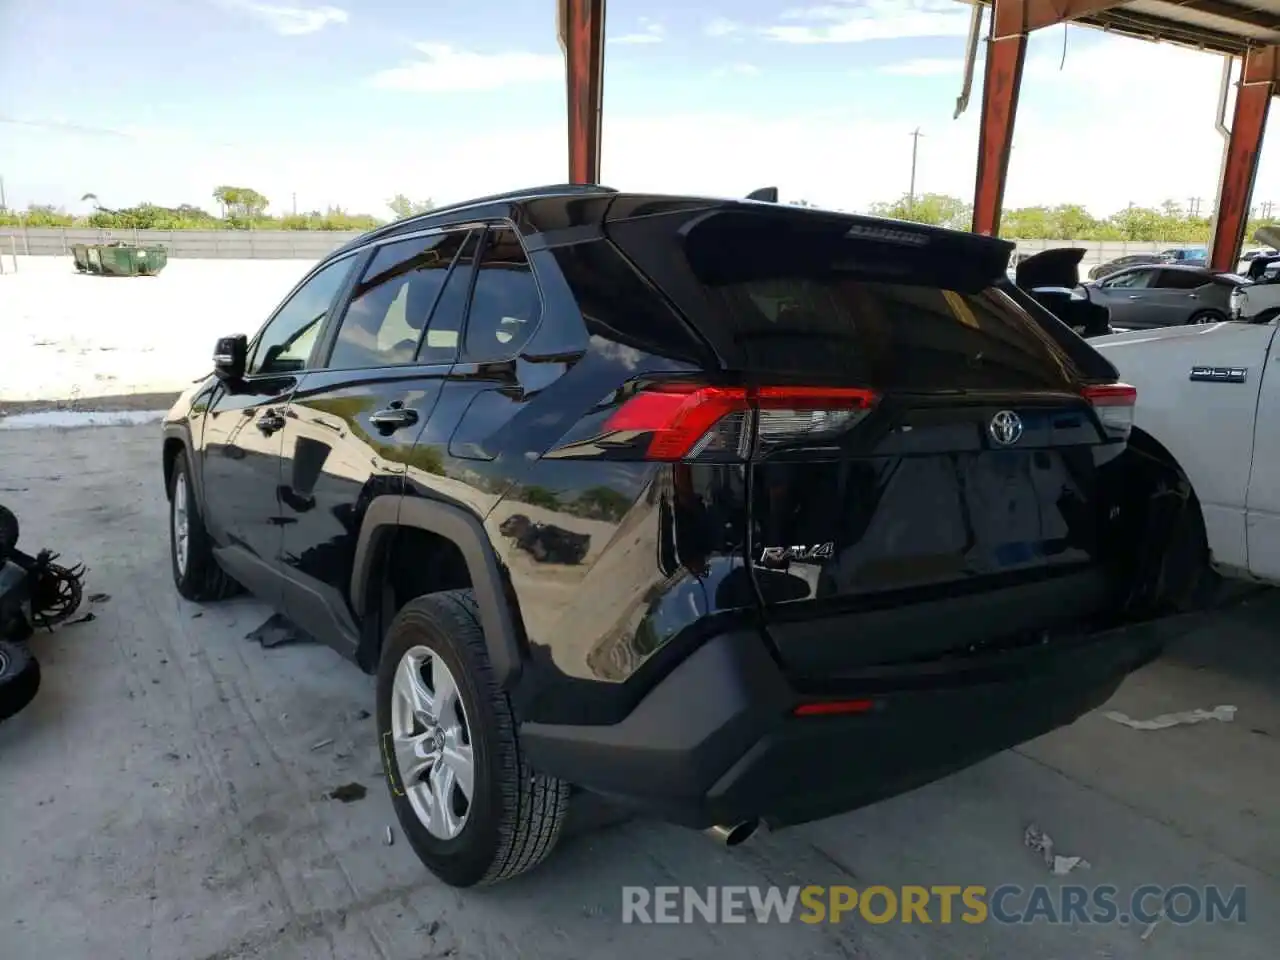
[(1114, 403), (682, 421)]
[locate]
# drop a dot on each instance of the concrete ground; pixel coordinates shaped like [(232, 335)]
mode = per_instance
[(165, 795)]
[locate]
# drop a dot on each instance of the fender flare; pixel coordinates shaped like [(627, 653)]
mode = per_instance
[(390, 512), (181, 432)]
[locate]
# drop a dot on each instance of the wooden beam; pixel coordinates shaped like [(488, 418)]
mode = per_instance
[(1261, 65), (1253, 100), (1020, 17), (581, 31), (1000, 86)]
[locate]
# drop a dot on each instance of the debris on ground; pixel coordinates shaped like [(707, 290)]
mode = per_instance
[(1036, 839), (276, 631), (85, 619), (348, 792), (99, 597), (1151, 927), (322, 743), (390, 837), (1226, 713)]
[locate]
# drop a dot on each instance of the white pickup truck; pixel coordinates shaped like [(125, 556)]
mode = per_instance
[(1209, 406)]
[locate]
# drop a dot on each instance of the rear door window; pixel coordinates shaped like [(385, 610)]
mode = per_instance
[(390, 305), (1180, 280)]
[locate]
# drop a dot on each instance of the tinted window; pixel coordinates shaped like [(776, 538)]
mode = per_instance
[(285, 343), (1181, 280), (505, 305), (440, 345), (890, 335), (391, 303)]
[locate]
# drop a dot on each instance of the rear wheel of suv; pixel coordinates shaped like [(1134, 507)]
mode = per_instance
[(470, 806), (196, 573)]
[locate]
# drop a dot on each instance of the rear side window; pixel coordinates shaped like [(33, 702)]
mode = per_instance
[(505, 305)]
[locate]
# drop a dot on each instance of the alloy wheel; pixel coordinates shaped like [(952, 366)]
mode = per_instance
[(431, 736)]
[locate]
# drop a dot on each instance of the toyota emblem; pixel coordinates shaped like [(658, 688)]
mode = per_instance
[(1005, 428)]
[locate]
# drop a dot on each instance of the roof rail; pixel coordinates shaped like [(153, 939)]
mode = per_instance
[(548, 190), (551, 189)]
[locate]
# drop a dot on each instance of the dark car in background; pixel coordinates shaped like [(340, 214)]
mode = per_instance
[(1119, 263), (1165, 295), (732, 512), (1186, 256)]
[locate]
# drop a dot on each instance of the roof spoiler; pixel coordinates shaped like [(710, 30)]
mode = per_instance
[(764, 194)]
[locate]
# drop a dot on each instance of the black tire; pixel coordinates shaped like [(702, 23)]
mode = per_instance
[(9, 530), (199, 578), (516, 816), (1207, 316), (19, 678)]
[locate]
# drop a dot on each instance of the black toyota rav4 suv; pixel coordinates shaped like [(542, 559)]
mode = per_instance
[(730, 511)]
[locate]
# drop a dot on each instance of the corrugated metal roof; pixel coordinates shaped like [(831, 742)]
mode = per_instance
[(1224, 26)]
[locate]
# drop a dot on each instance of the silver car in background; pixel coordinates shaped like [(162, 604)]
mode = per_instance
[(1165, 295)]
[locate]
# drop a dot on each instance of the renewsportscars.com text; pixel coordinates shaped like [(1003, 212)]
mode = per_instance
[(973, 904)]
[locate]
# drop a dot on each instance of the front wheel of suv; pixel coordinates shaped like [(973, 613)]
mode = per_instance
[(196, 573), (468, 803)]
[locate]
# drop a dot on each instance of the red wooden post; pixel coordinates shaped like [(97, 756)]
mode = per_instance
[(582, 38)]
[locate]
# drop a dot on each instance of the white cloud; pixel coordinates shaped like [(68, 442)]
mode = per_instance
[(925, 67), (291, 21), (444, 69), (859, 21), (738, 70), (1077, 140), (650, 32), (721, 27)]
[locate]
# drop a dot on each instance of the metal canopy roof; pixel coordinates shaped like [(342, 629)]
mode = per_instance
[(1222, 26)]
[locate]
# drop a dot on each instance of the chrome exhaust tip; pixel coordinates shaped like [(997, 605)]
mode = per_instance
[(730, 835)]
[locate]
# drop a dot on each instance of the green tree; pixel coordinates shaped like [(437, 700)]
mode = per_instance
[(403, 207), (240, 203), (935, 209)]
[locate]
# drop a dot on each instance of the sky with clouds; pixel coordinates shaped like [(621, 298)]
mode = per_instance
[(351, 102)]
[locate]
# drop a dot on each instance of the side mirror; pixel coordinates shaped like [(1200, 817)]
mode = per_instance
[(229, 357)]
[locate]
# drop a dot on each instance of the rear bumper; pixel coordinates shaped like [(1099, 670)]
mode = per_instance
[(716, 742)]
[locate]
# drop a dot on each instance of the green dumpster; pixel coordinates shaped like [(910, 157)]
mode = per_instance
[(120, 259)]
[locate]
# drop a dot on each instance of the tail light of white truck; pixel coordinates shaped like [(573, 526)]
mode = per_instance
[(1114, 404)]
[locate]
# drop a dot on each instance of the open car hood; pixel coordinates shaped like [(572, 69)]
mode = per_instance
[(1269, 235), (1050, 268)]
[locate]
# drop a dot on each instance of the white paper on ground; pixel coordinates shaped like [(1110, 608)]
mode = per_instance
[(1059, 866), (1226, 713)]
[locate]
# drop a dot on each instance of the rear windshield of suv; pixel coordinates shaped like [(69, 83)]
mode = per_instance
[(889, 335)]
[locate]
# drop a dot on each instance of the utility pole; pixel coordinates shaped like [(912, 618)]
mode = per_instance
[(915, 149), (4, 207), (295, 204), (1193, 206)]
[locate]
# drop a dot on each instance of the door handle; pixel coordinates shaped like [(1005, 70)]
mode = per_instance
[(269, 422), (393, 418), (1134, 296)]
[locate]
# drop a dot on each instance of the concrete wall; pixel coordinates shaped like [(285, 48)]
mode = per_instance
[(311, 245), (184, 244)]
